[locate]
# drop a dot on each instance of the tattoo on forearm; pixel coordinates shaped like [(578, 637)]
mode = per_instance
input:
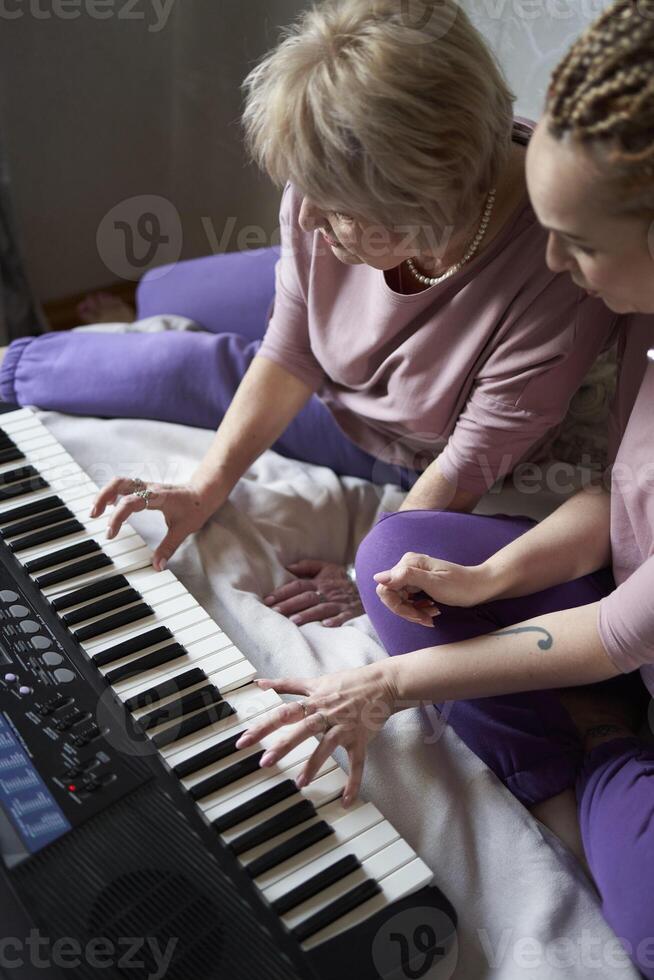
[(545, 643)]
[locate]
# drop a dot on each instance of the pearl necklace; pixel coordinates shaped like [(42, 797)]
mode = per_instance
[(472, 249)]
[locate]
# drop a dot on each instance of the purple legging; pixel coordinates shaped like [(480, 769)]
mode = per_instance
[(529, 739), (182, 377)]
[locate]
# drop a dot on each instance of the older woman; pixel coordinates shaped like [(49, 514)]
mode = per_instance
[(506, 607), (417, 334)]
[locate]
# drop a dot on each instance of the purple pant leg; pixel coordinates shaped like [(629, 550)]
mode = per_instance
[(527, 739), (615, 791), (222, 293), (189, 378)]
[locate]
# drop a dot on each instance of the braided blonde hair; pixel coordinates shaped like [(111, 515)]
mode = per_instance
[(602, 94)]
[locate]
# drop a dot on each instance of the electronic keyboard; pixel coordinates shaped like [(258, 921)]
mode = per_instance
[(126, 811)]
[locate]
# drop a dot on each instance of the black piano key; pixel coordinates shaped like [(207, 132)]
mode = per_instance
[(257, 804), (184, 705), (10, 455), (63, 554), (43, 519), (23, 488), (221, 750), (294, 845), (279, 824), (6, 441), (226, 776), (46, 534), (113, 622), (19, 473), (133, 645), (336, 909), (92, 591), (99, 606), (164, 690), (27, 510), (217, 712), (73, 571), (147, 662), (317, 883)]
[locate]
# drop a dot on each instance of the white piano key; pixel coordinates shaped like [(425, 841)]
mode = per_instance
[(248, 702), (321, 791), (175, 624), (121, 563), (359, 817), (325, 787), (376, 868), (19, 421), (220, 677), (66, 496), (130, 541), (291, 764), (362, 847), (171, 616), (173, 591), (37, 457), (406, 880), (229, 667), (143, 580), (255, 783), (331, 813), (302, 751)]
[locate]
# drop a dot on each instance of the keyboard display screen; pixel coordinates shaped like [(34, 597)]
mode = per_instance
[(26, 801)]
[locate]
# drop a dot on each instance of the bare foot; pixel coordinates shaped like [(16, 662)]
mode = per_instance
[(105, 308)]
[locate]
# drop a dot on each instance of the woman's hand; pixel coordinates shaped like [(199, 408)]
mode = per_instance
[(185, 511), (347, 708), (441, 581), (322, 592)]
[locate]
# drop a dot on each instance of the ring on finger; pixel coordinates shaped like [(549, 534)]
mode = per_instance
[(145, 495), (305, 705), (137, 484), (321, 597)]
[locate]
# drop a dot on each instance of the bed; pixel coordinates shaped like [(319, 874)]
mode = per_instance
[(525, 907)]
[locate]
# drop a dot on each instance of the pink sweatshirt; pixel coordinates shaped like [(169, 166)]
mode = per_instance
[(481, 366), (626, 616)]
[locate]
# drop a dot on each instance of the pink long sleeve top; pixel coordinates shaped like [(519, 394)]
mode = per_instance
[(478, 369), (626, 616)]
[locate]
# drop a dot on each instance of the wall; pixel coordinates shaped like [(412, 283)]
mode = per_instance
[(94, 112), (146, 101)]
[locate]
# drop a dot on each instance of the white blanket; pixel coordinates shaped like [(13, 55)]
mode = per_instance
[(525, 909)]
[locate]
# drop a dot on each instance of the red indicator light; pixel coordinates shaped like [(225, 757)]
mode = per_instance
[(72, 787)]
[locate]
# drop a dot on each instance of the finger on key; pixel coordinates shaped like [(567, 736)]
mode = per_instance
[(110, 494), (130, 505), (285, 714)]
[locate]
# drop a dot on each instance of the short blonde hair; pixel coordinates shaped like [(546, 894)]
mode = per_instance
[(394, 122), (602, 95)]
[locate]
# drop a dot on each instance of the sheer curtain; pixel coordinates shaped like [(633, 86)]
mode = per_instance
[(20, 313)]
